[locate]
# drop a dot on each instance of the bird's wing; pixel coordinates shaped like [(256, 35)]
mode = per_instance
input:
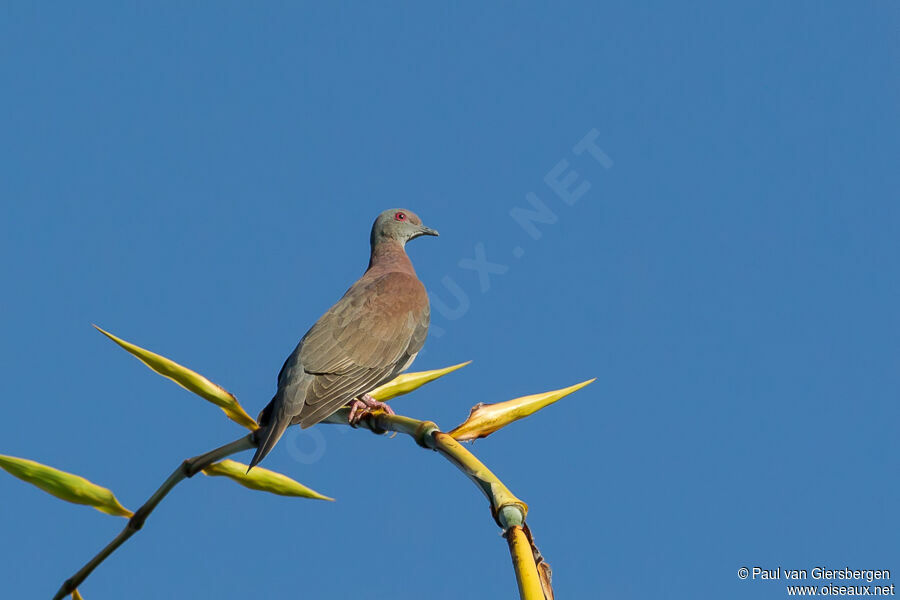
[(370, 327), (329, 392), (363, 341)]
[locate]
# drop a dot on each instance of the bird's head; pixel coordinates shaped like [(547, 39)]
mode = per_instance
[(400, 225)]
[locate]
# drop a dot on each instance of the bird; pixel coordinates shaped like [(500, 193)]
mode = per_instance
[(372, 334)]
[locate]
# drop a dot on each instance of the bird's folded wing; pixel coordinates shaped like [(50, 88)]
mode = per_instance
[(370, 327), (363, 341), (328, 392)]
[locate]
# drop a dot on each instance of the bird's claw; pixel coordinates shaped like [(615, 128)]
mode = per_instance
[(365, 405)]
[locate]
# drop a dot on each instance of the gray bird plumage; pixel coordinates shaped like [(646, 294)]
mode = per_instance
[(371, 335)]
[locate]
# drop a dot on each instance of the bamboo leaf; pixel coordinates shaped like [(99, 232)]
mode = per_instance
[(189, 380), (262, 479), (65, 486), (408, 382), (485, 419)]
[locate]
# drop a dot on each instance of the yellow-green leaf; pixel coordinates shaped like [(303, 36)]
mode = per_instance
[(189, 380), (406, 383), (65, 486), (485, 419), (262, 479)]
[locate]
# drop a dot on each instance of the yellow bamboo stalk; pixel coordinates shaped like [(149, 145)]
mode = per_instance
[(508, 511), (495, 490), (527, 577)]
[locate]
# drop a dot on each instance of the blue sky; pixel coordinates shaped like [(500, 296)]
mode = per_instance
[(201, 180)]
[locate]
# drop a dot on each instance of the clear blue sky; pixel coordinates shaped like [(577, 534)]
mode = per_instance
[(201, 180)]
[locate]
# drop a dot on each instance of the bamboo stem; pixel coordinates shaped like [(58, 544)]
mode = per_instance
[(527, 577), (427, 435), (508, 511), (494, 489), (188, 468)]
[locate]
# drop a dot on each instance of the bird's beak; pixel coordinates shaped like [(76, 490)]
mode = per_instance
[(427, 231)]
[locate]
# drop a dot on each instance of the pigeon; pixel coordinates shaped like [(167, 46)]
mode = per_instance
[(371, 335)]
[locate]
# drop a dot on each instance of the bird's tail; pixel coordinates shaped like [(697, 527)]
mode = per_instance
[(273, 421)]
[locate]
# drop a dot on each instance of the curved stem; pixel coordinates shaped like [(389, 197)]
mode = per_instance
[(508, 511), (188, 468)]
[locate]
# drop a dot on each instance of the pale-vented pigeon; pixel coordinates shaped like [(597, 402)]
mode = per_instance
[(372, 334)]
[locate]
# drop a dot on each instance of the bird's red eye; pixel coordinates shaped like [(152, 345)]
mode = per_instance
[(400, 216)]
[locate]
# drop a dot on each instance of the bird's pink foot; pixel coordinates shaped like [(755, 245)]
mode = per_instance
[(365, 405)]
